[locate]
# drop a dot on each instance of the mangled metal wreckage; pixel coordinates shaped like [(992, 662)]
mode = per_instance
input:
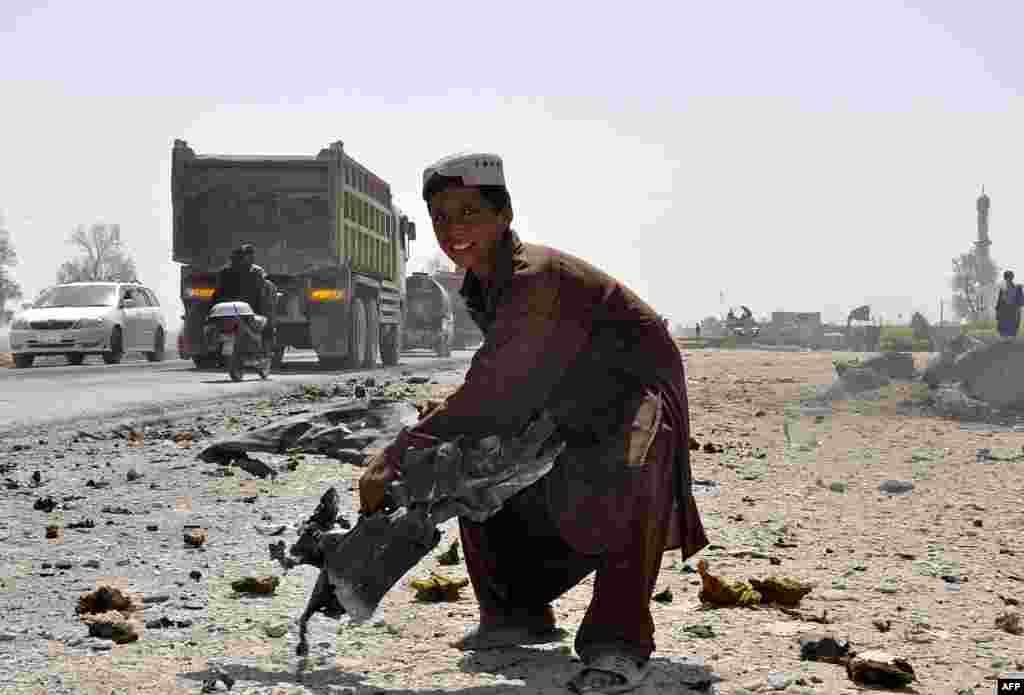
[(359, 565)]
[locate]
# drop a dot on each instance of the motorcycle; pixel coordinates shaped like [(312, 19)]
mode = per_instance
[(235, 332)]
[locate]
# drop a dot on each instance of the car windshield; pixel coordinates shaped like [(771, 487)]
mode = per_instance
[(77, 295)]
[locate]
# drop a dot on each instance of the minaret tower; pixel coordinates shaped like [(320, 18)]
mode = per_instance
[(983, 242), (982, 250)]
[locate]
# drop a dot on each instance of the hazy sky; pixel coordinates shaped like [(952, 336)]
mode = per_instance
[(802, 156)]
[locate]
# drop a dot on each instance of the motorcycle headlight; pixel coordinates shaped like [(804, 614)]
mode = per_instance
[(20, 325), (88, 323)]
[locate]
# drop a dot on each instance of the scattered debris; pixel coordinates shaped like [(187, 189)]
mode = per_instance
[(132, 475), (275, 629), (664, 596), (782, 590), (254, 467), (116, 510), (882, 625), (112, 625), (194, 536), (52, 531), (270, 529), (108, 598), (1010, 622), (822, 619), (256, 585), (880, 668), (195, 575), (718, 592), (450, 556), (85, 523), (219, 676), (438, 588), (96, 485), (163, 622), (701, 631), (895, 487), (45, 504), (108, 612)]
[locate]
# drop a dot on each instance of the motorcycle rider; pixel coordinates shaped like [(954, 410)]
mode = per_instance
[(243, 280)]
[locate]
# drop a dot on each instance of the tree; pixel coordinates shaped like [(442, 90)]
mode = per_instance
[(9, 289), (973, 275), (103, 257)]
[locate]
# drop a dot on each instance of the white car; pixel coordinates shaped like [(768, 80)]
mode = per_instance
[(83, 318)]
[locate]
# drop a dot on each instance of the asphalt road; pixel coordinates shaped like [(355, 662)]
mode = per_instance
[(55, 392)]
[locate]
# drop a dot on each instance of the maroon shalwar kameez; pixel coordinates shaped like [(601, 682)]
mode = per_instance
[(563, 336)]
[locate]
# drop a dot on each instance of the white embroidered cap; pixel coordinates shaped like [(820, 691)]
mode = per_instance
[(480, 169)]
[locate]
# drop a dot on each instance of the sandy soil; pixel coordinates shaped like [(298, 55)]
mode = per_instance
[(774, 502)]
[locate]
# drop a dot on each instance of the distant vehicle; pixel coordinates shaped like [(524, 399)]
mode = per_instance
[(467, 333), (237, 333), (743, 325), (90, 318), (327, 233), (429, 319)]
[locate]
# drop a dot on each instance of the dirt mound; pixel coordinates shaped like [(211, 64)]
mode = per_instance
[(107, 598)]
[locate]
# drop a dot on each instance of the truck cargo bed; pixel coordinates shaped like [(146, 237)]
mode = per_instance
[(280, 205)]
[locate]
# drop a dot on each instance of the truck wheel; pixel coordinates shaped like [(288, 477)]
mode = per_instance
[(357, 335), (24, 361), (372, 335), (389, 346), (116, 352), (235, 365), (75, 358), (277, 361)]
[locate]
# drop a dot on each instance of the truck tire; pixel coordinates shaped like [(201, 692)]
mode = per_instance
[(23, 360), (372, 335), (444, 348), (235, 365), (75, 358), (204, 362), (389, 346), (277, 361), (357, 335)]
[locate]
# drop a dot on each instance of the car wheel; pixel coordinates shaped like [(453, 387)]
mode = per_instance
[(159, 347), (76, 358), (24, 361), (116, 351), (204, 362)]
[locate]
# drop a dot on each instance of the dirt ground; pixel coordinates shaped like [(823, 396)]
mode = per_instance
[(794, 492)]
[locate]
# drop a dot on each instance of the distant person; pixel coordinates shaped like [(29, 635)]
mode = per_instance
[(698, 330), (243, 280), (1008, 306)]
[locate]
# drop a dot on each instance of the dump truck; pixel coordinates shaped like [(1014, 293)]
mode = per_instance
[(429, 319), (326, 232), (467, 334)]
